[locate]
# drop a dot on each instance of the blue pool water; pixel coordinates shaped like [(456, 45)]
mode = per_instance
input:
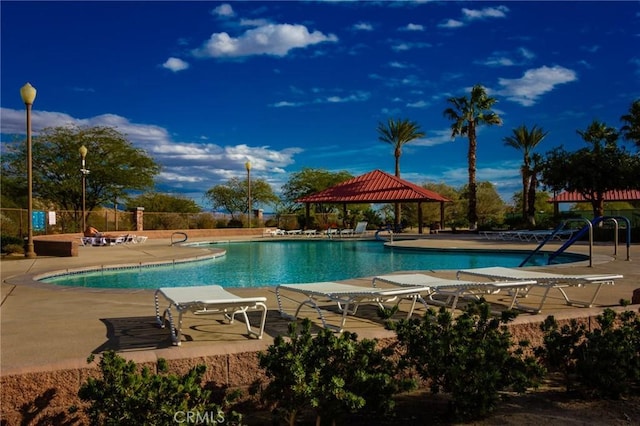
[(259, 264)]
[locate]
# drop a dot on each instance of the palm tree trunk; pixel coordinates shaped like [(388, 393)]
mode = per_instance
[(525, 192), (397, 211), (473, 191), (531, 208)]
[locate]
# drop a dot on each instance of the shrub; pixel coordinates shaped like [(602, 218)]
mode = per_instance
[(13, 248), (235, 223), (331, 375), (9, 243), (472, 358), (127, 395), (604, 361), (558, 352)]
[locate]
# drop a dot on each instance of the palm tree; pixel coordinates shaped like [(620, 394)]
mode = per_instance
[(631, 130), (467, 114), (397, 133), (526, 140)]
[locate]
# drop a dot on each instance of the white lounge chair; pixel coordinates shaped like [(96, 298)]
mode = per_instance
[(361, 228), (346, 232), (207, 299), (330, 232), (547, 281), (273, 232), (453, 289), (347, 297)]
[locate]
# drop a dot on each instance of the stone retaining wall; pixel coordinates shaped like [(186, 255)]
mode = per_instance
[(44, 397)]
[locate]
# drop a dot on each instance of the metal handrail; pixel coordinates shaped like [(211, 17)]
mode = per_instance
[(590, 225), (181, 241)]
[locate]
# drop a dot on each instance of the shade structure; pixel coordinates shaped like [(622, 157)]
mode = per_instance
[(376, 187), (615, 195), (609, 196), (373, 187)]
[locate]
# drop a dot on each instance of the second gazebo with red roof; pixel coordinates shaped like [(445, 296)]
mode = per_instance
[(376, 187)]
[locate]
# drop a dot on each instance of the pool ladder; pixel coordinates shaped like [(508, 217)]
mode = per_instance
[(587, 228), (180, 241)]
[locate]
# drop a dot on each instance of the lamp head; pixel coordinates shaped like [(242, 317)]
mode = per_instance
[(28, 94), (83, 151), (247, 165)]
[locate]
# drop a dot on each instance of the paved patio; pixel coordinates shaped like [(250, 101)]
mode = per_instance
[(47, 327)]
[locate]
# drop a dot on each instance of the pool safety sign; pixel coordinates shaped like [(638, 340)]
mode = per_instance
[(37, 221)]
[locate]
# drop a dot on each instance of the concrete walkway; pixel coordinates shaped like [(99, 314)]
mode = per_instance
[(46, 327)]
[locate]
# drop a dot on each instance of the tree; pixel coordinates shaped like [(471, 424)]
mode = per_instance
[(176, 211), (309, 181), (526, 140), (232, 196), (116, 166), (631, 129), (491, 207), (398, 133), (467, 114), (155, 202), (592, 171)]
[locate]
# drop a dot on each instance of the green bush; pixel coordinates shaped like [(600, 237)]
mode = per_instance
[(8, 244), (472, 358), (604, 361), (330, 374), (235, 223), (13, 248), (128, 395), (558, 353)]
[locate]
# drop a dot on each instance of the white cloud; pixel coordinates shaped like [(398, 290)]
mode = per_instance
[(363, 26), (418, 104), (200, 164), (354, 97), (404, 46), (253, 22), (469, 15), (271, 39), (499, 61), (508, 59), (396, 64), (534, 83), (487, 12), (412, 27), (175, 64), (286, 104), (526, 53), (434, 137), (451, 23), (224, 10)]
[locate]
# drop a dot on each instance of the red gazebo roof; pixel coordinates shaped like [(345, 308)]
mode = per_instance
[(373, 187), (574, 197)]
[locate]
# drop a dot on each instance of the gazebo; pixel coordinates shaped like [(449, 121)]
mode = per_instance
[(376, 187), (575, 197)]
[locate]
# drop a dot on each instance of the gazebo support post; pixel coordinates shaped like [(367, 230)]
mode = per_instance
[(419, 217), (441, 214), (344, 215)]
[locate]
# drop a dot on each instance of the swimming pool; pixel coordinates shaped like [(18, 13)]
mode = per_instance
[(268, 263)]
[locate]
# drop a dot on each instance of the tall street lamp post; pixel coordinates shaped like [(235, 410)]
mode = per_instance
[(247, 165), (83, 154), (28, 94)]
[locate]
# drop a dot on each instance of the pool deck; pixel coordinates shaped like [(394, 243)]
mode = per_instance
[(46, 327)]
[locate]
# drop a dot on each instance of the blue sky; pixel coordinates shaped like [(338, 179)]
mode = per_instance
[(204, 87)]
